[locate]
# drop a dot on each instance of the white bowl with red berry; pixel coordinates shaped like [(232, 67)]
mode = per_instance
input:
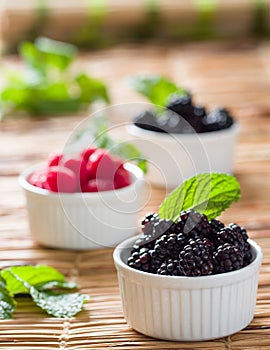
[(188, 276), (179, 137), (84, 201)]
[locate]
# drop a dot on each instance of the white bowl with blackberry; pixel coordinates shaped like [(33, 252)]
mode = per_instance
[(182, 139), (191, 278)]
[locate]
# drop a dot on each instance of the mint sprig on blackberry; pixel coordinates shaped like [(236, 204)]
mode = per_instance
[(185, 239), (208, 193)]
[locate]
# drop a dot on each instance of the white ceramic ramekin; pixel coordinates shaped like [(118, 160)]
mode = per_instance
[(187, 308), (83, 220), (174, 158)]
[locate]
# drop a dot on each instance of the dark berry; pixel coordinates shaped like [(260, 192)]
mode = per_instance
[(171, 122), (216, 225), (228, 258), (147, 120), (181, 105), (196, 259), (168, 246), (241, 231), (191, 246), (217, 119), (153, 227), (169, 267), (234, 237)]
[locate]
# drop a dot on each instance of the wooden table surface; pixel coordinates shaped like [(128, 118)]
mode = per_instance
[(234, 74)]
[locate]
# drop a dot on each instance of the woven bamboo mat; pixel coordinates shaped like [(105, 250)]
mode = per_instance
[(234, 74)]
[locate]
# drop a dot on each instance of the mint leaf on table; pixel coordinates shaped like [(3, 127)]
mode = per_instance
[(7, 302), (209, 193), (47, 287), (58, 304), (156, 88), (37, 275), (56, 285)]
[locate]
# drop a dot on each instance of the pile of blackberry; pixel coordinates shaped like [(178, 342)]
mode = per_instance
[(192, 246), (182, 116)]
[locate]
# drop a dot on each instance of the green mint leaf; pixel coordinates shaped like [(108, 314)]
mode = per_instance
[(17, 277), (130, 153), (209, 193), (155, 88), (47, 86), (59, 305), (55, 53), (31, 55), (7, 303), (91, 89), (56, 285)]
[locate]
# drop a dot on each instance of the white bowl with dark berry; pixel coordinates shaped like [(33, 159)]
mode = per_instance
[(86, 201), (181, 139), (189, 277)]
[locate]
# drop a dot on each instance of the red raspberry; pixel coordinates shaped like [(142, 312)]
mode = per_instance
[(122, 178), (98, 185), (54, 159), (61, 179), (39, 178), (87, 153), (78, 166), (101, 165)]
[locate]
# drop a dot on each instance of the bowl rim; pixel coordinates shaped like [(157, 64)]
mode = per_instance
[(137, 175), (134, 130), (204, 280)]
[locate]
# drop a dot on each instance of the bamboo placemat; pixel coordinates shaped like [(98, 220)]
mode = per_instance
[(235, 74)]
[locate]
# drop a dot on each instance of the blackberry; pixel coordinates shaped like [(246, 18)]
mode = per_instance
[(191, 116), (171, 122), (169, 267), (247, 247), (168, 246), (218, 119), (153, 227), (148, 222), (140, 259), (147, 120), (196, 258), (228, 258), (165, 247), (181, 105), (192, 246), (193, 224), (234, 237), (216, 226), (240, 230)]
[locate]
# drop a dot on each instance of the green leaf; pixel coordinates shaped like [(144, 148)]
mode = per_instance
[(15, 277), (209, 193), (55, 53), (130, 153), (56, 285), (46, 86), (91, 89), (32, 56), (156, 88), (36, 281), (124, 150), (7, 303), (58, 305)]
